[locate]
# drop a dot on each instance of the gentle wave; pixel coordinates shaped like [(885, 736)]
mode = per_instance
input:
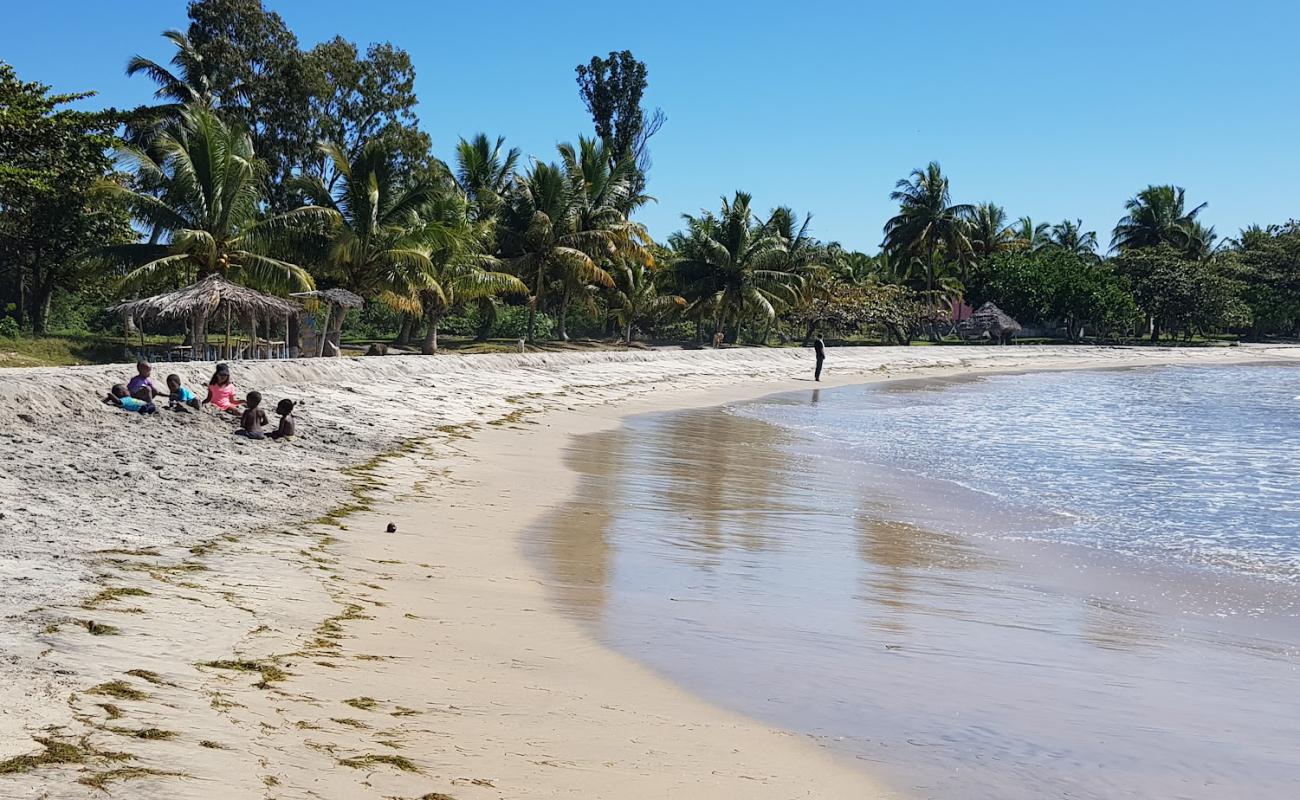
[(1193, 464)]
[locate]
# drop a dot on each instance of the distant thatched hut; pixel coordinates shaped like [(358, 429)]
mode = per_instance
[(210, 298), (989, 320), (336, 302)]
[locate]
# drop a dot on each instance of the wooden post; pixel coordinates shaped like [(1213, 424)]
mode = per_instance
[(322, 330), (227, 353)]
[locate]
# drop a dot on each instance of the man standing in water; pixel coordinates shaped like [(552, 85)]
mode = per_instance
[(819, 348)]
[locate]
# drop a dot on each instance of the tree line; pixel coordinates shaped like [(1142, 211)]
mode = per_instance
[(286, 169)]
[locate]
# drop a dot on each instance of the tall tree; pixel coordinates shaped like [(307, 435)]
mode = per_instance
[(186, 82), (262, 80), (928, 225), (50, 157), (358, 99), (612, 89), (989, 231), (1157, 215), (544, 239)]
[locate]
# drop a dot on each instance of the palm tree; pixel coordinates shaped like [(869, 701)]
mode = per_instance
[(1157, 215), (209, 201), (410, 247), (543, 238), (732, 267), (989, 232), (856, 268), (927, 221), (1200, 243), (462, 271), (1070, 237), (636, 295), (928, 224), (484, 173), (1030, 236), (186, 83)]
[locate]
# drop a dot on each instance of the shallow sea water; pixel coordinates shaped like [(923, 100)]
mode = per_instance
[(1080, 584)]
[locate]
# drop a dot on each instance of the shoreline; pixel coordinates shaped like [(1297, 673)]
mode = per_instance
[(224, 583)]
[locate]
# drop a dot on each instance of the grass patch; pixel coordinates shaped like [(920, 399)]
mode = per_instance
[(351, 723), (119, 689), (363, 703), (54, 752), (147, 675), (404, 712), (211, 745), (374, 759), (155, 734), (111, 710), (113, 593), (270, 673), (99, 628), (101, 780)]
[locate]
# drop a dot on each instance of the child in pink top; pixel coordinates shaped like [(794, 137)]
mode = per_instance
[(221, 392)]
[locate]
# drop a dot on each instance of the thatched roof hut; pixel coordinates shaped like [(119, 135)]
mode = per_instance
[(331, 328), (209, 298), (991, 320), (336, 297)]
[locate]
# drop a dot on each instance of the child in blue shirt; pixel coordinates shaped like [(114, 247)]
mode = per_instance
[(120, 397), (181, 397)]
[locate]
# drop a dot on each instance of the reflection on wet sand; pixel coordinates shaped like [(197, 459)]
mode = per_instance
[(769, 575)]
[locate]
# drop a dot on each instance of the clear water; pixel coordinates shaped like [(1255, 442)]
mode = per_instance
[(1198, 465), (892, 569)]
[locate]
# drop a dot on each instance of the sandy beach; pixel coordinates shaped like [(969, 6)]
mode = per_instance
[(188, 614)]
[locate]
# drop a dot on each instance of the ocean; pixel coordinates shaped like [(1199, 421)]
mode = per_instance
[(1077, 584)]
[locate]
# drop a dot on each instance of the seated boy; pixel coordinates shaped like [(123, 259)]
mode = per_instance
[(141, 386)]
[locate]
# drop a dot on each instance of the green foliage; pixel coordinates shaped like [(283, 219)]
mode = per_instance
[(849, 308), (612, 88), (1054, 284), (1158, 216), (1181, 295), (209, 199), (262, 81), (511, 322), (358, 99), (50, 157), (731, 268), (9, 328), (1267, 264)]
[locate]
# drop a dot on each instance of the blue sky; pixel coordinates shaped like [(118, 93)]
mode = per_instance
[(1051, 109)]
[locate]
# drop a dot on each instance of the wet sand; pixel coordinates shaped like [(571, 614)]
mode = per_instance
[(176, 625), (763, 572)]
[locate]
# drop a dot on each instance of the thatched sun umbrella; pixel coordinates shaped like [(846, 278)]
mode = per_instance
[(209, 297), (332, 326), (991, 320)]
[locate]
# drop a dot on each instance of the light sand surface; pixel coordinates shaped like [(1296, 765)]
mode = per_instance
[(260, 655)]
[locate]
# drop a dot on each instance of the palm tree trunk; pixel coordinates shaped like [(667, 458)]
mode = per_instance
[(487, 313), (404, 331), (430, 346), (564, 315), (532, 309)]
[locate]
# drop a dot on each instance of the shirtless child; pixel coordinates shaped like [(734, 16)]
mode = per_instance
[(253, 420)]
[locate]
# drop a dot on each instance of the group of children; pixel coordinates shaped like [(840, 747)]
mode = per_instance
[(139, 395)]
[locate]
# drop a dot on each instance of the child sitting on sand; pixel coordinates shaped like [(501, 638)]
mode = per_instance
[(120, 397), (287, 426), (221, 392), (141, 386), (181, 397), (253, 419)]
